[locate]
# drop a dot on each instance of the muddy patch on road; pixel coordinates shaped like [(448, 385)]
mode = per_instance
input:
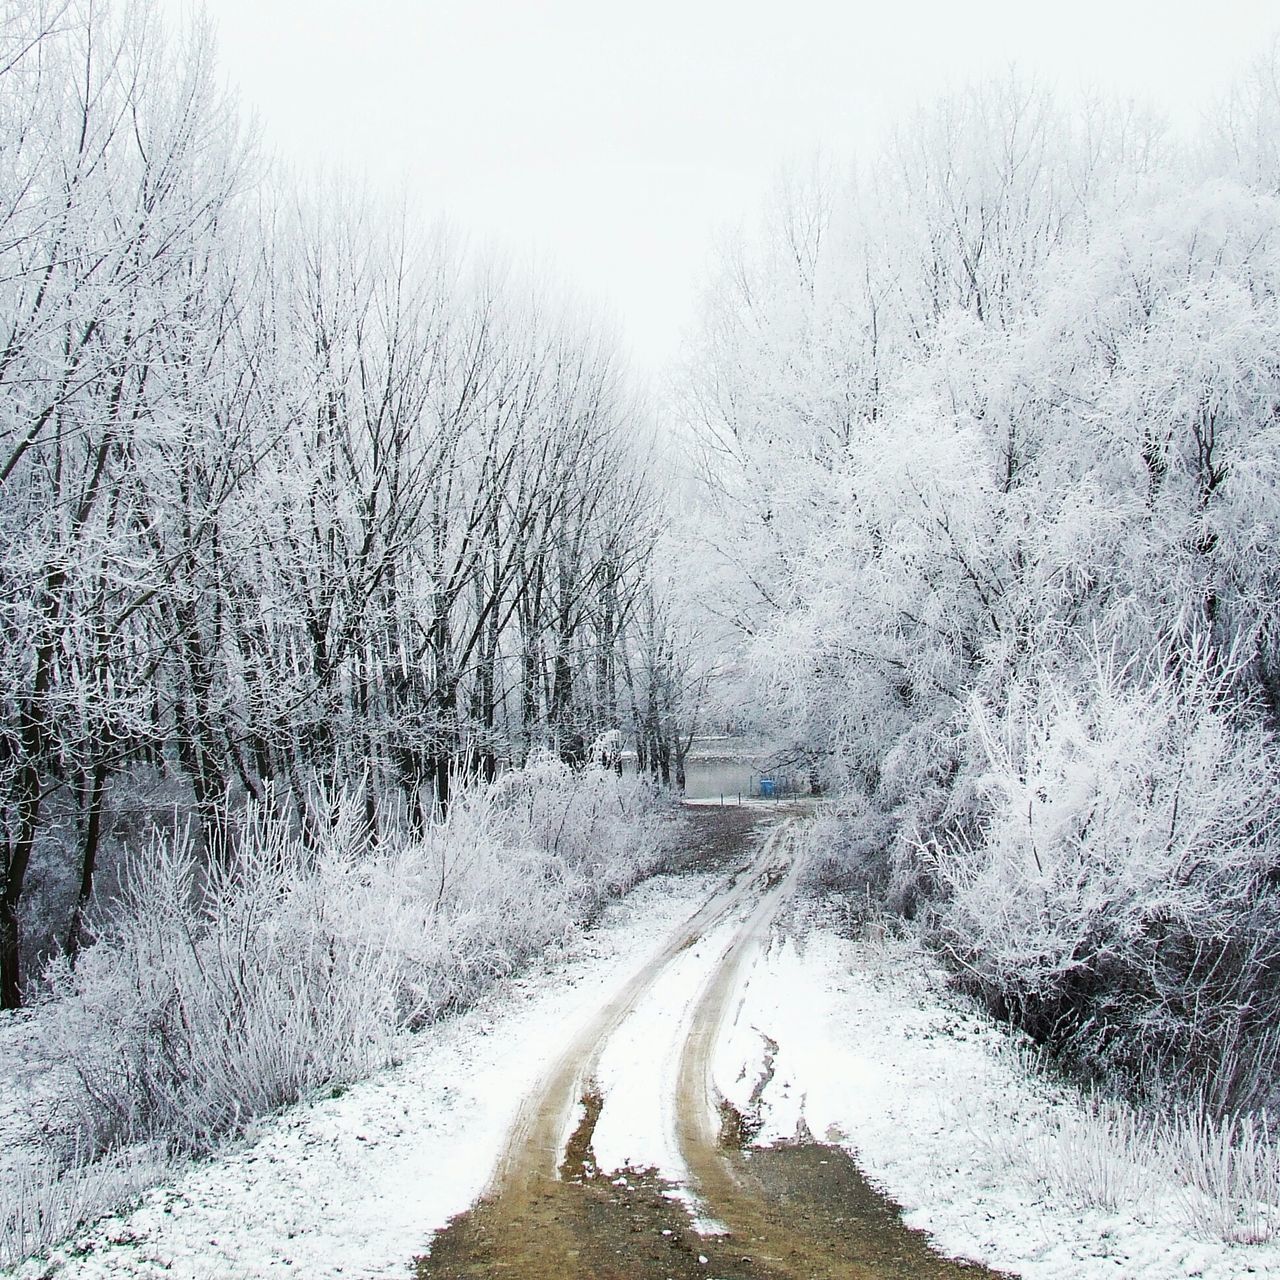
[(600, 1227), (585, 1224), (804, 1209), (813, 1215), (715, 838)]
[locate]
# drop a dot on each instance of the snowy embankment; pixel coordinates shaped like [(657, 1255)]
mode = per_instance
[(858, 1042), (353, 1185), (213, 997)]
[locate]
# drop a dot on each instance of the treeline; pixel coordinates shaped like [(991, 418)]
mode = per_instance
[(297, 499), (991, 426)]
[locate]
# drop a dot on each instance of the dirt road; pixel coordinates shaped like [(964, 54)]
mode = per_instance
[(799, 1209)]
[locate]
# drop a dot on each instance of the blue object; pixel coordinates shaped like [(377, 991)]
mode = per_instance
[(766, 788)]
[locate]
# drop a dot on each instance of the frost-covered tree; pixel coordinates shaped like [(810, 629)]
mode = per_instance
[(998, 414), (299, 499), (119, 165)]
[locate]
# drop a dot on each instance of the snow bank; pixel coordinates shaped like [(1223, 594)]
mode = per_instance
[(943, 1109)]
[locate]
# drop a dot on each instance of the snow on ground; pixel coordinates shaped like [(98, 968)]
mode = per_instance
[(940, 1111), (28, 1095), (353, 1186)]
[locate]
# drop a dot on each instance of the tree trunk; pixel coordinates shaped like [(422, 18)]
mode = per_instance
[(88, 859), (10, 956), (16, 873)]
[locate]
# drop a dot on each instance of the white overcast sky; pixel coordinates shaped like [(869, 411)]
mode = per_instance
[(614, 142)]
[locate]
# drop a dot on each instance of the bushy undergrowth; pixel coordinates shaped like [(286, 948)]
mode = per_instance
[(1105, 875), (1220, 1179), (49, 1200), (842, 851), (1115, 892), (211, 997)]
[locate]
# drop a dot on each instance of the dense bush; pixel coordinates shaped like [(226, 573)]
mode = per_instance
[(214, 997), (1117, 894)]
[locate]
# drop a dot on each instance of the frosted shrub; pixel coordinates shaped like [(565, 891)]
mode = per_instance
[(1116, 899), (1100, 1156), (514, 868), (591, 819), (45, 1203), (1219, 1178), (1229, 1173), (1084, 1151), (842, 848), (214, 997), (201, 1009)]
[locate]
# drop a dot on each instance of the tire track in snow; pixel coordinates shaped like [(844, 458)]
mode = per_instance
[(532, 1153), (800, 1210)]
